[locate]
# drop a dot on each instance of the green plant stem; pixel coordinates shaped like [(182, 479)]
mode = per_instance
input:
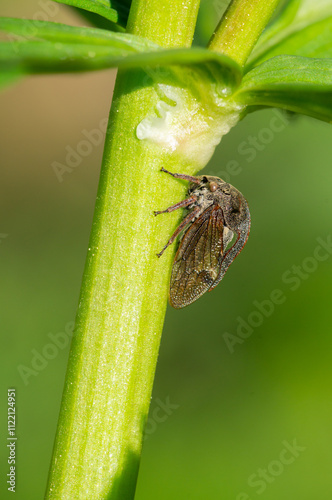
[(124, 292), (240, 27)]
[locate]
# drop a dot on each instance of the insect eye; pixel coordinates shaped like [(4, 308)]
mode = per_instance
[(213, 186)]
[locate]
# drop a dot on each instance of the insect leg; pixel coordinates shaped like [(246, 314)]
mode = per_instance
[(181, 204), (185, 221), (189, 178)]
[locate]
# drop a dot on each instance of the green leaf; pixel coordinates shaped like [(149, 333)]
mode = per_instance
[(303, 28), (43, 47), (26, 30), (98, 21), (299, 84), (115, 11)]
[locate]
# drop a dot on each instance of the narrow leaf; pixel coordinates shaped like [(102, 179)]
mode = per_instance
[(41, 46), (299, 84), (115, 11), (27, 29), (303, 28), (98, 21)]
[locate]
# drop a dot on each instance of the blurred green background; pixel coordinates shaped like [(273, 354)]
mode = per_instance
[(225, 414)]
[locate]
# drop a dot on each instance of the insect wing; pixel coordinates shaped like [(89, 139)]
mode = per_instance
[(229, 255), (197, 261)]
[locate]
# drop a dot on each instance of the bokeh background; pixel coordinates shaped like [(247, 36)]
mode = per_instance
[(231, 418)]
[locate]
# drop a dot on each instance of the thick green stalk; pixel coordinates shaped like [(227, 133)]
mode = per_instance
[(124, 291), (240, 27)]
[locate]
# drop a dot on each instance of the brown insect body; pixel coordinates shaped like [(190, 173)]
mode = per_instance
[(217, 214)]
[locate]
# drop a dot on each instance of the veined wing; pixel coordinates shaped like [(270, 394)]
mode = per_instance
[(197, 261)]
